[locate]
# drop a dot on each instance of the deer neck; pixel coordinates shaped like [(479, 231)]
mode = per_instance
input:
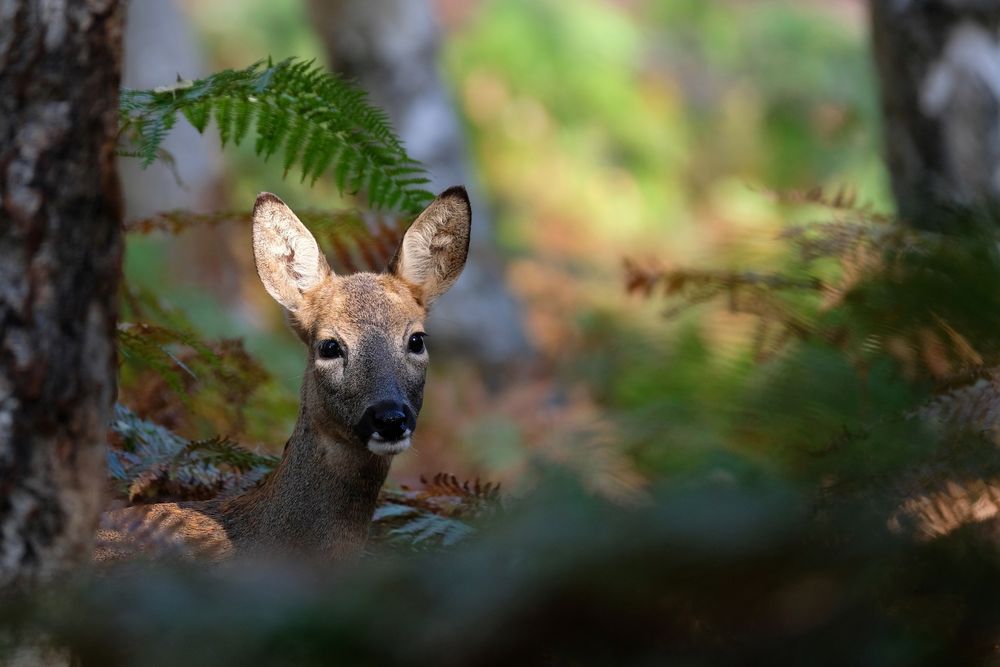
[(320, 499)]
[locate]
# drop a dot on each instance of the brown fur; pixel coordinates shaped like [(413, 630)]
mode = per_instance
[(321, 497)]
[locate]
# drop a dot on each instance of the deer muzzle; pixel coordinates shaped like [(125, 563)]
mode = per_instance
[(386, 427)]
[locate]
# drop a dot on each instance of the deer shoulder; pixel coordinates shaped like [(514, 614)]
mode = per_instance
[(171, 530)]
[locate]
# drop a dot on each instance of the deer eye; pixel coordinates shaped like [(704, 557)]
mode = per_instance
[(416, 343), (330, 349)]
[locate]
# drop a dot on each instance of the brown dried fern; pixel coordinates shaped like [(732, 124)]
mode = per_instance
[(354, 240), (439, 513)]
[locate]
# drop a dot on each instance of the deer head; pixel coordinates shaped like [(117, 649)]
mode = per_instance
[(364, 379)]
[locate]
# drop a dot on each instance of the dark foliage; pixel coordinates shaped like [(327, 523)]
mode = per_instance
[(706, 575)]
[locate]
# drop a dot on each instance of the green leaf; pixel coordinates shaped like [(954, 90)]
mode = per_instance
[(318, 121)]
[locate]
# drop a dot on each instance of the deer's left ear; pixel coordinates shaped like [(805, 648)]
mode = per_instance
[(435, 247)]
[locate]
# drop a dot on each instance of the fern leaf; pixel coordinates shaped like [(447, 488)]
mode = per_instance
[(392, 510), (273, 125), (242, 119), (225, 118), (223, 451), (198, 115), (294, 143), (148, 462), (317, 120)]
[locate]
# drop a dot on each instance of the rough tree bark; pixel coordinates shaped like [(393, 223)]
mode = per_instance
[(60, 261), (391, 47), (938, 63)]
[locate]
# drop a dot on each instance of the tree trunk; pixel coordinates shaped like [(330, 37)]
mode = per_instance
[(391, 48), (60, 261), (938, 63)]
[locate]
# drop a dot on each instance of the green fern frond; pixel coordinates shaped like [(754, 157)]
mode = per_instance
[(431, 528), (439, 513), (313, 119), (221, 451), (150, 462), (221, 373), (156, 346), (137, 348)]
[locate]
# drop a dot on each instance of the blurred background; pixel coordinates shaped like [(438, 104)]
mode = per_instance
[(590, 132)]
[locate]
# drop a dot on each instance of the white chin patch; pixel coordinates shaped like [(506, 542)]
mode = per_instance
[(379, 445)]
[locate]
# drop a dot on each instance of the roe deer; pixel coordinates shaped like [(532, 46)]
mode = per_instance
[(361, 393)]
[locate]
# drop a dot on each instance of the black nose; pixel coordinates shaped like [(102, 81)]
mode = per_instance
[(390, 420)]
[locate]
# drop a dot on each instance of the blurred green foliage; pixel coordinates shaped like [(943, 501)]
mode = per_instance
[(706, 575)]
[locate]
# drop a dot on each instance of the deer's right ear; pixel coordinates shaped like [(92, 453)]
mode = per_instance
[(289, 261)]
